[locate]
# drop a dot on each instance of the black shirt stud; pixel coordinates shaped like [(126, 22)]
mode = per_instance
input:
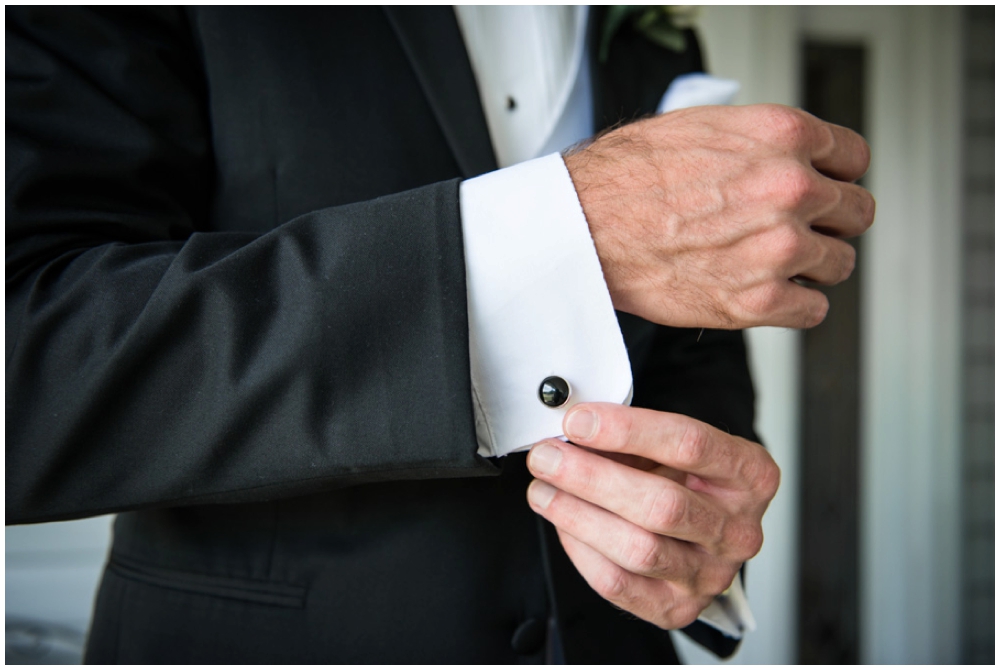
[(554, 392)]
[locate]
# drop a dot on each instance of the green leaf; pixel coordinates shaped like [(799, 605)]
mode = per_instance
[(667, 36), (617, 14), (655, 23)]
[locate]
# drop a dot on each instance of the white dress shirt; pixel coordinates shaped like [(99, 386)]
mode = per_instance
[(538, 302)]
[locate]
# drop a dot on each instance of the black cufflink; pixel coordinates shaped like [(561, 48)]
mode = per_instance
[(554, 392)]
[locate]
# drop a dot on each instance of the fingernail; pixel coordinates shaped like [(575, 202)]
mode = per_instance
[(581, 424), (540, 494), (545, 458)]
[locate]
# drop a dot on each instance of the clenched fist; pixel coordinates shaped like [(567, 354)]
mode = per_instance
[(706, 216), (657, 511)]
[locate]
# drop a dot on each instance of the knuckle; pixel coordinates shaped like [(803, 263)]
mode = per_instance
[(614, 430), (816, 313), (785, 124), (714, 580), (752, 461), (643, 555), (860, 206), (761, 302), (685, 613), (715, 534), (611, 584), (751, 542), (837, 259), (865, 152), (720, 580), (868, 210), (747, 540), (849, 262), (628, 433), (793, 185), (667, 511), (692, 447), (579, 474), (569, 516), (787, 245), (768, 478), (755, 541)]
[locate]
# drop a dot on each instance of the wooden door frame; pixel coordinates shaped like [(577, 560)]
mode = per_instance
[(910, 339)]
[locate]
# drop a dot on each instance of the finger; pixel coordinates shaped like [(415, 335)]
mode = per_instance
[(650, 599), (653, 503), (830, 262), (789, 305), (839, 152), (640, 463), (671, 439), (622, 542), (850, 213)]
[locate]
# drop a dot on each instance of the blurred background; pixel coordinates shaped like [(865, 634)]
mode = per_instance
[(880, 545)]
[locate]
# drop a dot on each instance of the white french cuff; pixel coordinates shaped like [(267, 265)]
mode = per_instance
[(730, 612), (538, 304)]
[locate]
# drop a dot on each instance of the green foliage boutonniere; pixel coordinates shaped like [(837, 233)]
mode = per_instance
[(661, 24)]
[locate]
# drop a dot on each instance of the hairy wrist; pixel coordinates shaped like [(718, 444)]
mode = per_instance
[(607, 173)]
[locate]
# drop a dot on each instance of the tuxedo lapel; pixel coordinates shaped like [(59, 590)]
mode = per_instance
[(627, 86), (431, 39)]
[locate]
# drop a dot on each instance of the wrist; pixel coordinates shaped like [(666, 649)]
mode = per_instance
[(602, 203)]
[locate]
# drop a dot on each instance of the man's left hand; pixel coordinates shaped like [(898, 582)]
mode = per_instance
[(657, 511)]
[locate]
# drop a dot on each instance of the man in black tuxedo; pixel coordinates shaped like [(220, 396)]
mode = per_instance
[(236, 315)]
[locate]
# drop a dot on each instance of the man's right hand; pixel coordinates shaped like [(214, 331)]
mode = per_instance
[(704, 217), (656, 510)]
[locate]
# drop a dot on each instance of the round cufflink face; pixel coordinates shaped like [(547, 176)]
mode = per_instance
[(554, 392)]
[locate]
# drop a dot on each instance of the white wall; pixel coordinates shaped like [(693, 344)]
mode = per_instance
[(910, 429)]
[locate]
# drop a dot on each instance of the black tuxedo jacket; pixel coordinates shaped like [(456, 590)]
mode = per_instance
[(236, 315)]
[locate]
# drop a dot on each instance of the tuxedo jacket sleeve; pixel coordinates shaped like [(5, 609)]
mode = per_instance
[(235, 275), (234, 270), (234, 255)]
